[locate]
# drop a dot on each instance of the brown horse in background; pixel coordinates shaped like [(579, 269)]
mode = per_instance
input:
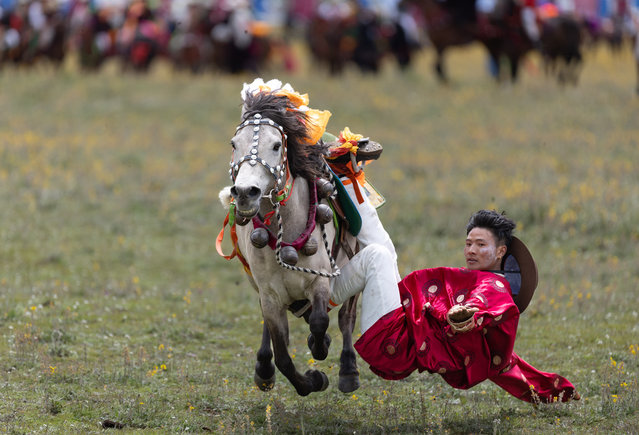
[(333, 43), (561, 40), (501, 33)]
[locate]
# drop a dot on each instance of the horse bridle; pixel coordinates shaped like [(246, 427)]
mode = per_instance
[(278, 171), (280, 191)]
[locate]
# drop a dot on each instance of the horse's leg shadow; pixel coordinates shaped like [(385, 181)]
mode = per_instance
[(319, 341), (348, 373), (264, 376)]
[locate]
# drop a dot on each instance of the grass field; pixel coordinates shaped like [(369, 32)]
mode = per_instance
[(115, 307)]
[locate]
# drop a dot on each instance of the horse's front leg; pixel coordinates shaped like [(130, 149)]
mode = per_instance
[(348, 373), (264, 376), (277, 324), (319, 341), (514, 68)]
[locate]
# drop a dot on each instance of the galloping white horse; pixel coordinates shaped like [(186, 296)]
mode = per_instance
[(275, 170)]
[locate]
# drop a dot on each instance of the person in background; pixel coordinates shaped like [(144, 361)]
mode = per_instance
[(529, 21)]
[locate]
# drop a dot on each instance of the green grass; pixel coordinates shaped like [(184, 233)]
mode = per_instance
[(114, 304)]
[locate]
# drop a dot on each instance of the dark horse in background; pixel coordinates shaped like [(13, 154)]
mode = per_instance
[(363, 38), (560, 45), (454, 23)]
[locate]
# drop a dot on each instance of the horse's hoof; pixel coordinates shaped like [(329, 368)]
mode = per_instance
[(319, 379), (264, 384), (319, 354), (348, 383), (324, 381)]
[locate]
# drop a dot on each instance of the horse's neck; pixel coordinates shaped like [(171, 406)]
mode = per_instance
[(294, 211)]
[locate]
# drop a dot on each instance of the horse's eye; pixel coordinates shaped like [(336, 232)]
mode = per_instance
[(232, 144), (277, 146)]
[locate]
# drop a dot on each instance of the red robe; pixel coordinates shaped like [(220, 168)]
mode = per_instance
[(417, 336)]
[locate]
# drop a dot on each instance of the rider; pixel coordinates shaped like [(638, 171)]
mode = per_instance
[(458, 322)]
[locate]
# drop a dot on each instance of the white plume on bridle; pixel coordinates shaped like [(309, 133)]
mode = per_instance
[(259, 85), (225, 197)]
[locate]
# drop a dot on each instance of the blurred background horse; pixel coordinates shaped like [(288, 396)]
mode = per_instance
[(237, 36), (560, 46), (339, 34), (456, 23)]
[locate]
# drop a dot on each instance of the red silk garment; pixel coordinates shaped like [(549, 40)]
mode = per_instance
[(417, 336)]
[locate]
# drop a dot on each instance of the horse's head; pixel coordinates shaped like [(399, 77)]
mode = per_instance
[(259, 163), (269, 147)]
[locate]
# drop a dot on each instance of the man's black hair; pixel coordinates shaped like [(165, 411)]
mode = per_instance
[(501, 226)]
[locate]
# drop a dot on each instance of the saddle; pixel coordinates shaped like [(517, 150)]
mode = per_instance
[(338, 154)]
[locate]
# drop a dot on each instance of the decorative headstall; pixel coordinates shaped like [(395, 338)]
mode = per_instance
[(253, 158)]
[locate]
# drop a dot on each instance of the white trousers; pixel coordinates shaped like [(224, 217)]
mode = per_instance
[(372, 229), (372, 272)]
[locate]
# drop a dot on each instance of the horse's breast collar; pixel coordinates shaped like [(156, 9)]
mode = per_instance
[(306, 234)]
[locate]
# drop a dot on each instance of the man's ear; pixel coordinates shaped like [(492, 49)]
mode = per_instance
[(501, 250)]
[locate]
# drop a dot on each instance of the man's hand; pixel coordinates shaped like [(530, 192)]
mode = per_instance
[(461, 318)]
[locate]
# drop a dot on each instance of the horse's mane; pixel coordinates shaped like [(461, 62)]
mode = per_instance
[(303, 159)]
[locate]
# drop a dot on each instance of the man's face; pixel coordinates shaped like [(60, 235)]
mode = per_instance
[(481, 251)]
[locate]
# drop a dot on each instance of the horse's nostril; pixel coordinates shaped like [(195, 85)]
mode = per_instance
[(233, 192), (254, 192)]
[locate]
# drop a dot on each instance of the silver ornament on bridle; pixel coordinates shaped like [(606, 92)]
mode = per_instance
[(278, 171)]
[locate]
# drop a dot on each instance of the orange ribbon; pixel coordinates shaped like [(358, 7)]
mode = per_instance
[(236, 251)]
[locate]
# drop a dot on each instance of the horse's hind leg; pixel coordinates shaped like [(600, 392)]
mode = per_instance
[(439, 67), (348, 373), (264, 376), (312, 380), (319, 341), (514, 68)]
